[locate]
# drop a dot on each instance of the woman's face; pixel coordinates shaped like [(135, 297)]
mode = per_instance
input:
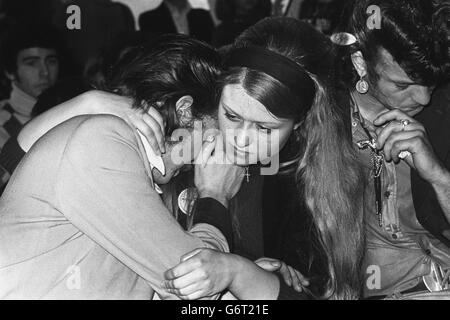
[(251, 133)]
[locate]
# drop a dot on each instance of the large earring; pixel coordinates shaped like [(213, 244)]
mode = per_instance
[(362, 86)]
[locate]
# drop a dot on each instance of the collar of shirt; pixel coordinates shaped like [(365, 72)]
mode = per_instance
[(358, 122), (177, 10), (154, 160), (21, 102), (179, 16)]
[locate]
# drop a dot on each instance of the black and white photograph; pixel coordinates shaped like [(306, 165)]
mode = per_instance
[(238, 151)]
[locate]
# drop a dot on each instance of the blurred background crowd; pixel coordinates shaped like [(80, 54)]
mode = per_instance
[(81, 45)]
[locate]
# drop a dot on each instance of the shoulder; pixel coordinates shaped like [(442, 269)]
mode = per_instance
[(98, 130), (101, 120), (105, 140)]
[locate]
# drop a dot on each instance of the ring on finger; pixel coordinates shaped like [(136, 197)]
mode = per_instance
[(405, 123), (404, 154)]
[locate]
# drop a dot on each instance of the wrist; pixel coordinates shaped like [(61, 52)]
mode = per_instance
[(235, 265), (439, 177), (441, 180), (214, 195)]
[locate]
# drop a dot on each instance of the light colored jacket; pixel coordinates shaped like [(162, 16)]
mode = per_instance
[(80, 218)]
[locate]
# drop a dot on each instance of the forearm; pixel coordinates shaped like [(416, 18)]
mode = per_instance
[(211, 214), (442, 189), (251, 282)]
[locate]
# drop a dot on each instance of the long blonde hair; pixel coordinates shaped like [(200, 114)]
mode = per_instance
[(328, 173), (332, 185)]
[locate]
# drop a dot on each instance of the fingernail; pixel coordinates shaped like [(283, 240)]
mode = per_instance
[(275, 264), (210, 138)]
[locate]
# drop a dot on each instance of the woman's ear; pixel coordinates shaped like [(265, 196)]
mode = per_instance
[(359, 63), (184, 110)]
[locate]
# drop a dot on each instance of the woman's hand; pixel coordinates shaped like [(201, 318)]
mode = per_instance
[(201, 273), (214, 177), (205, 272), (291, 276)]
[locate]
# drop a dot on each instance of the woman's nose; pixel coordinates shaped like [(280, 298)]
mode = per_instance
[(243, 137)]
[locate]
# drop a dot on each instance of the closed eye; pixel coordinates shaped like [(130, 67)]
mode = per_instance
[(231, 117), (267, 130), (402, 86)]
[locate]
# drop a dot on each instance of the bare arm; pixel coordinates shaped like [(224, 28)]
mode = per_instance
[(205, 272), (396, 137), (442, 188), (252, 282)]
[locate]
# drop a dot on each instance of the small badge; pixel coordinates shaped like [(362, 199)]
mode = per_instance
[(186, 200)]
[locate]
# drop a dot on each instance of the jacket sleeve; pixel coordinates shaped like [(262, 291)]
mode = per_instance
[(104, 190), (11, 154)]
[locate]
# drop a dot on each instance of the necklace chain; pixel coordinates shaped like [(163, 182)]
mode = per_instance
[(376, 159)]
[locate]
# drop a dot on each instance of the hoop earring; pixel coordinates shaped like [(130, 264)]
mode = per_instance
[(362, 86)]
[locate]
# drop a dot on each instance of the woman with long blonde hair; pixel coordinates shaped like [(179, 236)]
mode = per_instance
[(321, 156), (277, 87)]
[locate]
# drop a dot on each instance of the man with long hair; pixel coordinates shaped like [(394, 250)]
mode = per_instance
[(82, 216), (393, 55)]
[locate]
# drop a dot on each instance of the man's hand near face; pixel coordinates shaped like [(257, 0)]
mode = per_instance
[(395, 137)]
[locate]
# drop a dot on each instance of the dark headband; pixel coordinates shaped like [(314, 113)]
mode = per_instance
[(285, 70)]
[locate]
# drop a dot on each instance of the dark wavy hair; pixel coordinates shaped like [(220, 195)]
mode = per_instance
[(25, 36), (327, 172), (160, 72), (414, 32)]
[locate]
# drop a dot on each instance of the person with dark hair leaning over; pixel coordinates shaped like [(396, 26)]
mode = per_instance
[(391, 72), (247, 111), (82, 218)]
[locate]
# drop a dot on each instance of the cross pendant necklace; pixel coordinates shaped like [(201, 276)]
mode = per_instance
[(247, 174), (376, 162)]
